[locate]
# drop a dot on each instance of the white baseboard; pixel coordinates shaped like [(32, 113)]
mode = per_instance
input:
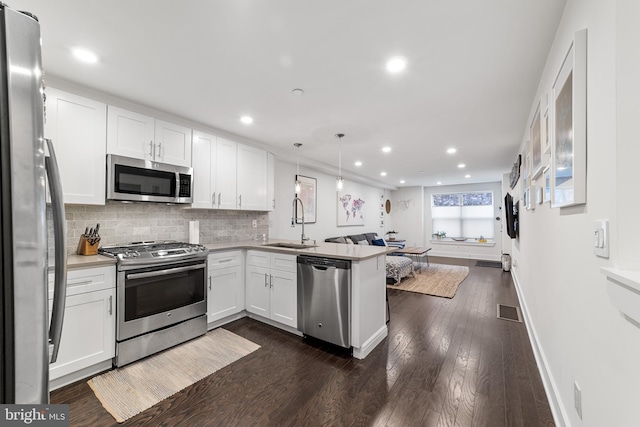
[(228, 319), (371, 343), (274, 324), (557, 409), (464, 255), (81, 374)]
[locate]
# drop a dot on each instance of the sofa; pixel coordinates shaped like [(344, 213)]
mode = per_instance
[(397, 267)]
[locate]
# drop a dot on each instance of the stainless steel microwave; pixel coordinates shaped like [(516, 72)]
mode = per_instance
[(147, 181)]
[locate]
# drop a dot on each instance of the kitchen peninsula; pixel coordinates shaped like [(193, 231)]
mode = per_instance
[(368, 310)]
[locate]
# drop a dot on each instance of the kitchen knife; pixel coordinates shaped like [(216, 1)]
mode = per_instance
[(95, 232)]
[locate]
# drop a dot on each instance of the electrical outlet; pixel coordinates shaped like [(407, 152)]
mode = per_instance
[(254, 223), (577, 399)]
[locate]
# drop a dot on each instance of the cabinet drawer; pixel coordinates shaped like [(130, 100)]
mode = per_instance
[(87, 280), (225, 259), (259, 258), (283, 262)]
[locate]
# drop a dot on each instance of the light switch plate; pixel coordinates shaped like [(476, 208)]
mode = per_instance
[(601, 238)]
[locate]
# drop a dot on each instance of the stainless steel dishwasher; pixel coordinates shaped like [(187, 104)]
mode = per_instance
[(324, 299)]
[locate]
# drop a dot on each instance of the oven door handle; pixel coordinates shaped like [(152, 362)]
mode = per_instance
[(165, 272)]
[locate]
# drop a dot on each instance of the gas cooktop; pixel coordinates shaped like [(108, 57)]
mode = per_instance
[(154, 251)]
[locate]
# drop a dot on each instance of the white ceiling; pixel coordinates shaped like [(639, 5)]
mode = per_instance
[(473, 69)]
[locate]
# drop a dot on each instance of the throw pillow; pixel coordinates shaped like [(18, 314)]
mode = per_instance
[(363, 242), (349, 241), (379, 242)]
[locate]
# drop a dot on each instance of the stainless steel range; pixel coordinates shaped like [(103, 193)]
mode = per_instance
[(161, 296)]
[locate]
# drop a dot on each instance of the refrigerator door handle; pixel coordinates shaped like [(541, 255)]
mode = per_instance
[(60, 237)]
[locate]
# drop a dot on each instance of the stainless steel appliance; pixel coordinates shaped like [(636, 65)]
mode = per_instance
[(147, 181), (324, 299), (26, 347), (161, 294)]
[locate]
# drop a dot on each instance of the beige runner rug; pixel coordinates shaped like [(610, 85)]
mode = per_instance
[(438, 279), (127, 391)]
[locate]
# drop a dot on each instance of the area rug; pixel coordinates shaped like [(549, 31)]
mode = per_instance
[(127, 391), (438, 279)]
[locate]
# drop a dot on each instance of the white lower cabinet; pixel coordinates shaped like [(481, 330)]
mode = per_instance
[(226, 285), (88, 332), (271, 284)]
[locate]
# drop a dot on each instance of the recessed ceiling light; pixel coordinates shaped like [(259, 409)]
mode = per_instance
[(439, 183), (402, 181), (451, 150), (467, 176), (462, 165), (386, 149), (246, 120), (396, 64), (297, 92), (383, 174), (85, 55), (358, 163)]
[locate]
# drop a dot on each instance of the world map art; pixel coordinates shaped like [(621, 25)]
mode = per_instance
[(350, 209)]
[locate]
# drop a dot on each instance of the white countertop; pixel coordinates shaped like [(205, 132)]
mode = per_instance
[(322, 249)]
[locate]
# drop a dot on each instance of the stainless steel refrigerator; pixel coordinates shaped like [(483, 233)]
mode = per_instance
[(27, 344)]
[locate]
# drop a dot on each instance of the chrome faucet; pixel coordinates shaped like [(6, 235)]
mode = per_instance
[(303, 238)]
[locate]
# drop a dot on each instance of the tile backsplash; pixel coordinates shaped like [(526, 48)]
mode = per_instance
[(129, 222)]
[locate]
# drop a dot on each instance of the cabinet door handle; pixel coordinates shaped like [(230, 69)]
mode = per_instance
[(270, 281), (240, 204), (110, 305), (151, 149), (159, 147), (209, 282), (213, 199), (265, 280), (274, 203), (219, 195)]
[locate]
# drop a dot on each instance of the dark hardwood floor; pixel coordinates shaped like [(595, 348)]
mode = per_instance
[(446, 362)]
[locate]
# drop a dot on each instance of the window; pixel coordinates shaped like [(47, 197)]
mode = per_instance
[(466, 215)]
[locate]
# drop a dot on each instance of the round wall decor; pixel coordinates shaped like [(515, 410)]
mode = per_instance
[(387, 206)]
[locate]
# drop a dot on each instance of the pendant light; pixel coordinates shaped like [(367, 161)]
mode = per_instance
[(340, 180), (298, 183)]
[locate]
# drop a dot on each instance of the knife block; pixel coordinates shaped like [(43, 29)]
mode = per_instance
[(85, 248)]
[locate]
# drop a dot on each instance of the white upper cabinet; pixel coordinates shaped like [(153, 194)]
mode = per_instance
[(225, 168), (204, 178), (271, 182), (173, 144), (252, 178), (214, 172), (135, 135), (78, 128), (130, 134)]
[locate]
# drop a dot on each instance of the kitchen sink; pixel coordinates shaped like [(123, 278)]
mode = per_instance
[(290, 245)]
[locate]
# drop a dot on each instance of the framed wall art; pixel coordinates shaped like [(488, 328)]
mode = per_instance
[(308, 194), (546, 197), (351, 209), (544, 131), (536, 144), (569, 143)]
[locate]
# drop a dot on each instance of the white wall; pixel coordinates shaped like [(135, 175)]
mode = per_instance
[(407, 215), (578, 334), (463, 250), (327, 207)]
